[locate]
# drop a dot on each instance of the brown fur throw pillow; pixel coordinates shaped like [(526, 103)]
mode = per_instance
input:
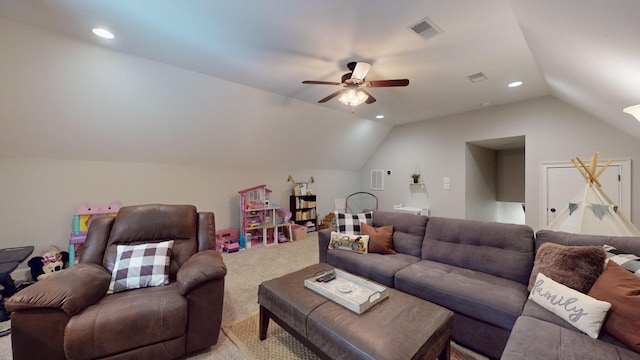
[(577, 267)]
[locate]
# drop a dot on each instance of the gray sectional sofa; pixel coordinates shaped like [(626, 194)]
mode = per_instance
[(479, 270), (539, 334)]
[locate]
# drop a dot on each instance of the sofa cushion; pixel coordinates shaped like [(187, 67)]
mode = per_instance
[(377, 267), (625, 244), (106, 328), (537, 339), (482, 296), (408, 230), (139, 266), (380, 238), (622, 290), (531, 309), (350, 223), (581, 311), (577, 267), (504, 250)]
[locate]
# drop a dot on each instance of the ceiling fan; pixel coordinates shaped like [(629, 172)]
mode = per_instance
[(353, 84)]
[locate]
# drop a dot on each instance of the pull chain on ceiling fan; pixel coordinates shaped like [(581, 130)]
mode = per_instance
[(352, 92)]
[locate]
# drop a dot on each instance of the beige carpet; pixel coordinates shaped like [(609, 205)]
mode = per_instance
[(281, 345)]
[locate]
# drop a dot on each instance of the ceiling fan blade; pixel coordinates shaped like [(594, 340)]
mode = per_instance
[(321, 82), (331, 96), (370, 99), (361, 70), (387, 83)]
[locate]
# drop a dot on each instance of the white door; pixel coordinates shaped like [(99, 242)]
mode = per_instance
[(561, 182)]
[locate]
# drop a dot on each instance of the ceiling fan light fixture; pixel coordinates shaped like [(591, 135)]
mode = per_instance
[(353, 97), (633, 110)]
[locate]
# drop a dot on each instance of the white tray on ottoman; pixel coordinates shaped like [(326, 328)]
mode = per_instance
[(353, 292)]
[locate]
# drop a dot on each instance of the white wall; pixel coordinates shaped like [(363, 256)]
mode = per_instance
[(39, 196), (554, 130), (67, 99)]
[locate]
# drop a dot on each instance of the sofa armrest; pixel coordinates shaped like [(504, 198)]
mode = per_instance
[(324, 236), (203, 266), (70, 290)]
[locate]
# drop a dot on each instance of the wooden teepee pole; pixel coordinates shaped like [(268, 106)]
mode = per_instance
[(577, 165), (592, 178), (589, 172), (606, 165)]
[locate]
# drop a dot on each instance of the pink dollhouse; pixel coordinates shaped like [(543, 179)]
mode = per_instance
[(261, 223)]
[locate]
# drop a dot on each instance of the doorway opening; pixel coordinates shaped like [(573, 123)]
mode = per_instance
[(495, 180)]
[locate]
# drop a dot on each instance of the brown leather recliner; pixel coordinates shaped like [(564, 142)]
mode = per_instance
[(69, 316)]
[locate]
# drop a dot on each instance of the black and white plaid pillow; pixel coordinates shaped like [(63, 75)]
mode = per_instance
[(628, 261), (350, 223), (139, 266)]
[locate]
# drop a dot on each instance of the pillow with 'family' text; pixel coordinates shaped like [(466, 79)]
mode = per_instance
[(580, 310), (350, 223)]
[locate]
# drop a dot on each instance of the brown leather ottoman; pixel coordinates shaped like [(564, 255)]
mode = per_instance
[(400, 327)]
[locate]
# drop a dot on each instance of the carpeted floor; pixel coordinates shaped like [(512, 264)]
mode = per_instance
[(5, 341)]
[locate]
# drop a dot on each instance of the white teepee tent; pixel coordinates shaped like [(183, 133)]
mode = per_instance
[(592, 211)]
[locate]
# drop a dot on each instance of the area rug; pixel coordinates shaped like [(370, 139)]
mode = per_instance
[(281, 345)]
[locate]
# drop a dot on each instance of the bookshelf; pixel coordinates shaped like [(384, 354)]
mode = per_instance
[(303, 211)]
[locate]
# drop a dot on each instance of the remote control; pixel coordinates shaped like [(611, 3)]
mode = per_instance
[(327, 277)]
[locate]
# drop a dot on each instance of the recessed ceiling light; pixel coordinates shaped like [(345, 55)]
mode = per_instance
[(515, 84), (103, 33), (379, 116)]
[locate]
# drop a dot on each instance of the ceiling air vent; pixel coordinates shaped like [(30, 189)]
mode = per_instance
[(425, 28), (477, 77)]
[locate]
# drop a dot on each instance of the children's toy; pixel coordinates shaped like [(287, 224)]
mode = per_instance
[(82, 219), (285, 215), (261, 222), (52, 260), (231, 247), (225, 240)]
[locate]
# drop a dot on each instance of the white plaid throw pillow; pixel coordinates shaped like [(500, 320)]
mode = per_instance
[(139, 266), (628, 261), (350, 223)]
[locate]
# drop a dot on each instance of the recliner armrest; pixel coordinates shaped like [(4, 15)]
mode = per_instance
[(203, 266), (70, 290)]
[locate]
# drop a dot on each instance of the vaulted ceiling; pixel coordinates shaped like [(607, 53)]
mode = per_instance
[(583, 52)]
